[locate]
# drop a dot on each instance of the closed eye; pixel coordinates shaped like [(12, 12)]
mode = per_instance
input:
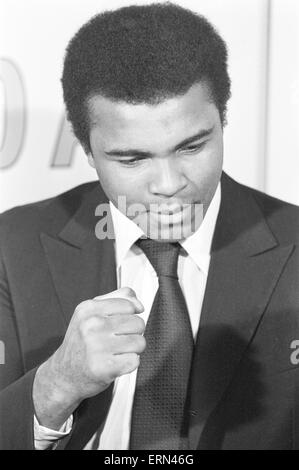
[(190, 149), (193, 148), (131, 161)]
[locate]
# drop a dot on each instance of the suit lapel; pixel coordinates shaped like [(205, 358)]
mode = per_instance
[(82, 267), (246, 263)]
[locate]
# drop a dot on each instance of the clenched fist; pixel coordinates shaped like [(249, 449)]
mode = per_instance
[(103, 341)]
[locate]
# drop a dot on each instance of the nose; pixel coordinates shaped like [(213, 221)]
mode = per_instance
[(168, 179)]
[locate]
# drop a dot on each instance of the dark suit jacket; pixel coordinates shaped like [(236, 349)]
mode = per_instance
[(245, 389)]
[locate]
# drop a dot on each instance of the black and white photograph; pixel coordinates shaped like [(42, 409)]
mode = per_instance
[(149, 227)]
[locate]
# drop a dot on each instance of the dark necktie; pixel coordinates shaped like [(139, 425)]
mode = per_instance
[(159, 416)]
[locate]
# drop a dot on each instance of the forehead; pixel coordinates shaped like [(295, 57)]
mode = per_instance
[(117, 120)]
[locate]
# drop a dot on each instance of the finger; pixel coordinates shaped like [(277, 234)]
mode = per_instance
[(111, 307), (124, 344), (126, 324), (125, 363), (123, 293)]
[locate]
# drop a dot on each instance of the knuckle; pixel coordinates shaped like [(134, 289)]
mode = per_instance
[(110, 306), (127, 306), (104, 307), (135, 344), (112, 367), (139, 324), (112, 323), (91, 325), (125, 364), (83, 307), (128, 363), (130, 307), (132, 361), (142, 342), (139, 344), (128, 291)]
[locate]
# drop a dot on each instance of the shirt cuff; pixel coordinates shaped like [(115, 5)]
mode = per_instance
[(44, 438)]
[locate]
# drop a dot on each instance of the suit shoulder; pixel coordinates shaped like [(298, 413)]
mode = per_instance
[(35, 216), (281, 216)]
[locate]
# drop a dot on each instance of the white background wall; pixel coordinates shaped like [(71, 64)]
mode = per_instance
[(39, 157)]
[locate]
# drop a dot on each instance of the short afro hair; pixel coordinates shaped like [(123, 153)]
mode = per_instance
[(142, 54)]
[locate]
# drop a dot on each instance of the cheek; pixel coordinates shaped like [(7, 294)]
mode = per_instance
[(118, 181), (204, 173), (205, 165)]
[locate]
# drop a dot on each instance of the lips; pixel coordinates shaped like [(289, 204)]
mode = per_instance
[(169, 218), (171, 209)]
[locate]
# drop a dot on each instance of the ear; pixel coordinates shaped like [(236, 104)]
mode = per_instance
[(90, 160)]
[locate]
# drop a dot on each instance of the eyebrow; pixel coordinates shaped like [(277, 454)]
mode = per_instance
[(141, 153), (194, 138)]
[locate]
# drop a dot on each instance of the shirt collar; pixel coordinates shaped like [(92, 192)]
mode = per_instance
[(198, 245), (126, 233)]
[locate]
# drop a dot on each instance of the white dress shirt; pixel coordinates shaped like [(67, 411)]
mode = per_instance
[(135, 271)]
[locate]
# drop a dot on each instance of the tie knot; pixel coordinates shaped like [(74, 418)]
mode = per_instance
[(162, 256)]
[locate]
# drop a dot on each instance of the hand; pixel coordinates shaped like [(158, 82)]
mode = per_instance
[(103, 341)]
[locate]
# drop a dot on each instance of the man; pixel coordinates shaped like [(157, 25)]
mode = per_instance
[(155, 339)]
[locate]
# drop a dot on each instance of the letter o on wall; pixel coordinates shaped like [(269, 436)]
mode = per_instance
[(14, 113)]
